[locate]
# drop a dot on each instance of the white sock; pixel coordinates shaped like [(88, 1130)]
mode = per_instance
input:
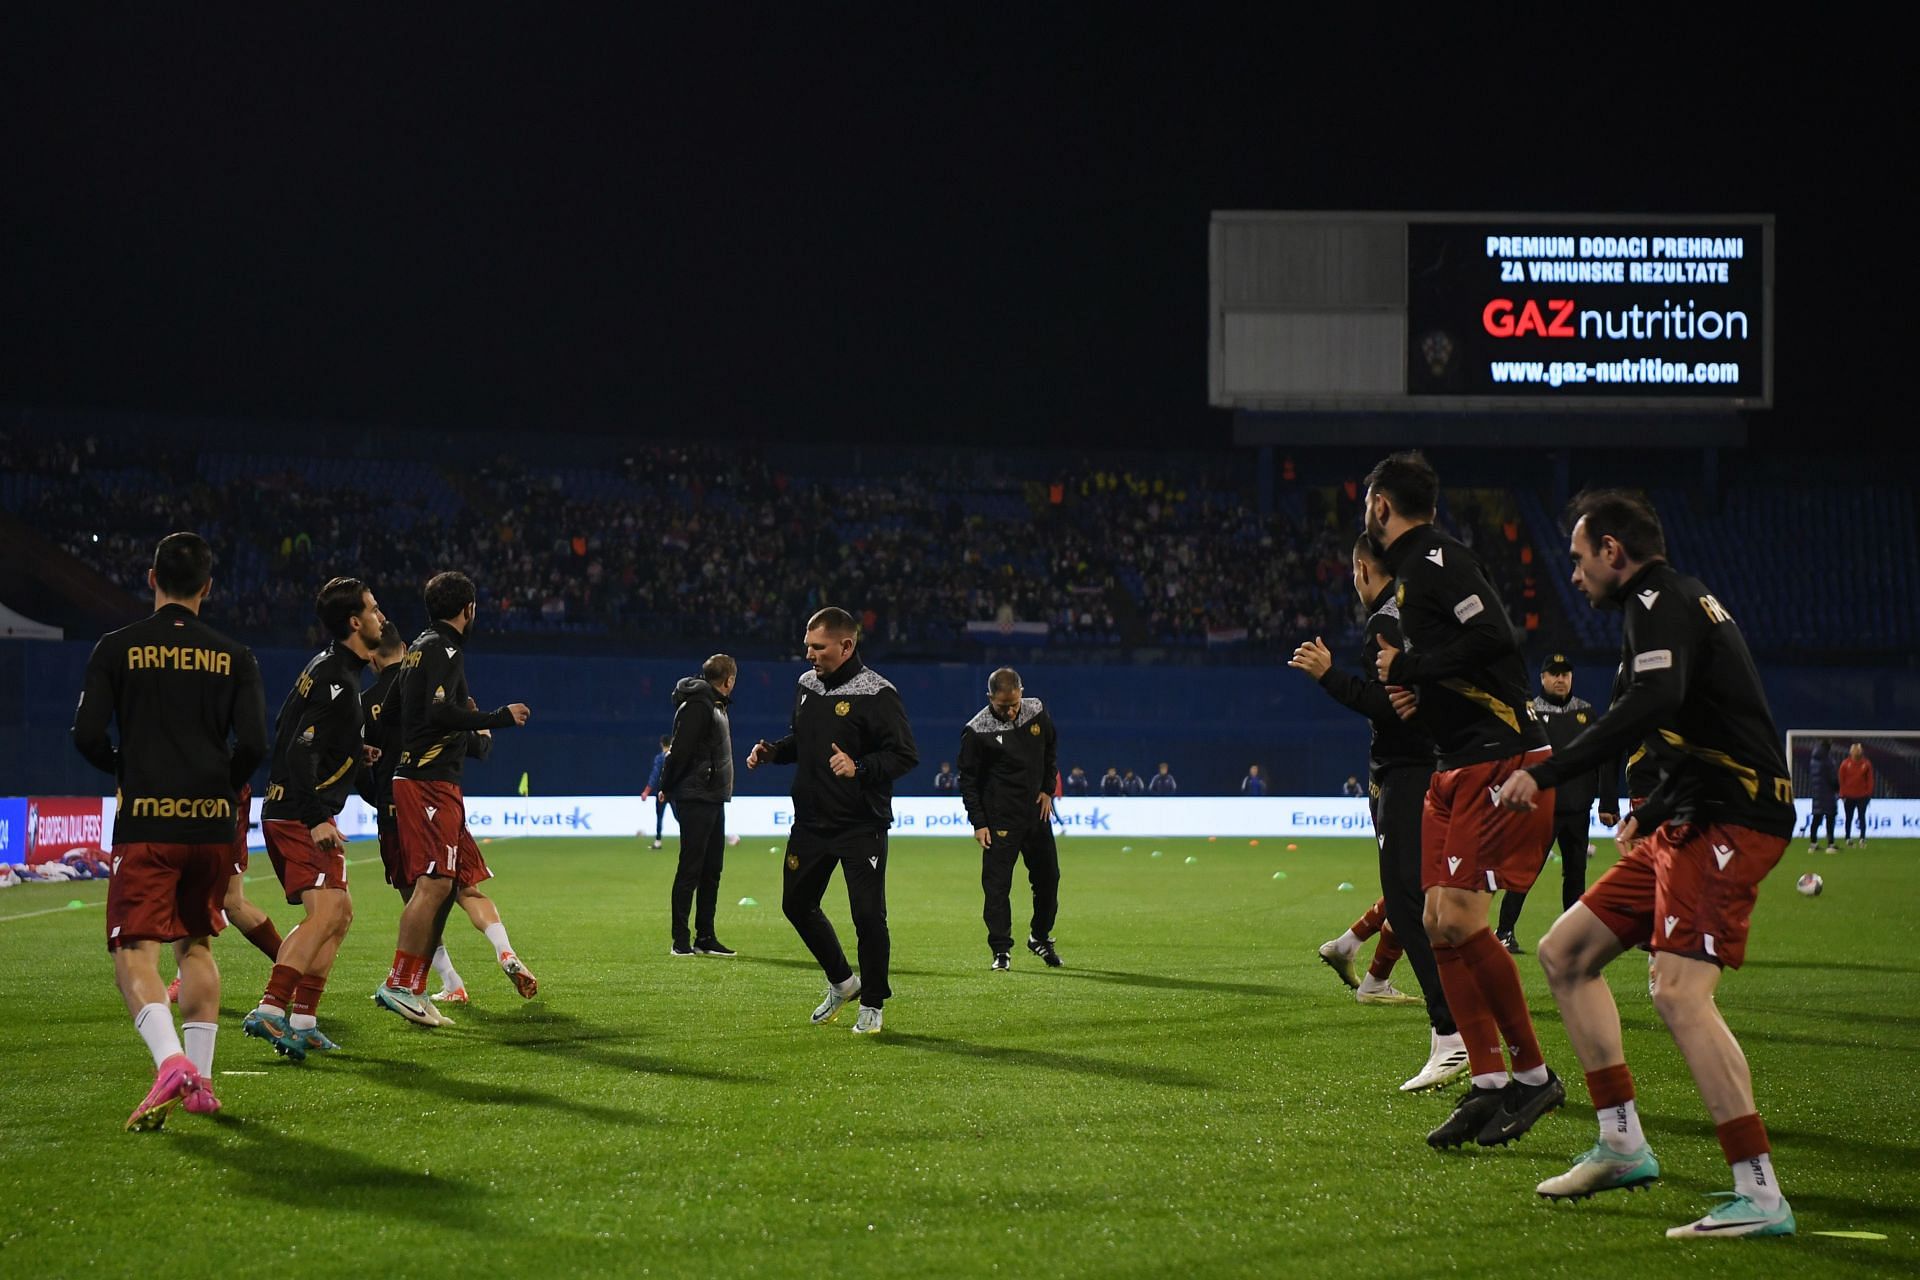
[(1532, 1075), (303, 1022), (1620, 1128), (1491, 1080), (443, 965), (199, 1039), (497, 935), (267, 1006), (154, 1022), (1754, 1180), (848, 987), (1347, 943)]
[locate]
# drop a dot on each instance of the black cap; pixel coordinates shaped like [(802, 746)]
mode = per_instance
[(1557, 665)]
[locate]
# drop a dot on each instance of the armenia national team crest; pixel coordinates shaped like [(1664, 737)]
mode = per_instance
[(842, 707)]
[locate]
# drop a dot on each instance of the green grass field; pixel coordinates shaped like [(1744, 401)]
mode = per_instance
[(1195, 1094)]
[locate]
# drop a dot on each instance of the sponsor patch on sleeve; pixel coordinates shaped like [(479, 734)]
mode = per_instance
[(1469, 608), (1653, 660)]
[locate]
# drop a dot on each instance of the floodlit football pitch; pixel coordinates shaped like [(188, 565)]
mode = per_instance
[(1195, 1094)]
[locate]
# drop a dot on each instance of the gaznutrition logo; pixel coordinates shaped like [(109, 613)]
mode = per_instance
[(1563, 318)]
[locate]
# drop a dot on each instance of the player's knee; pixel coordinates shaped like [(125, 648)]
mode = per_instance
[(1559, 957), (1679, 1003)]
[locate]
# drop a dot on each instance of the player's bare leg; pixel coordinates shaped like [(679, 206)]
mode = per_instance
[(1683, 997), (1574, 954), (453, 988), (486, 918), (285, 1016), (136, 971), (253, 923), (419, 920)]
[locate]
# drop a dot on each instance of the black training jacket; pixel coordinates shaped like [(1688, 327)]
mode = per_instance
[(860, 712), (178, 691)]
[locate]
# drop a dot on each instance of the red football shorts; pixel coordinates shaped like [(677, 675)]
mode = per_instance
[(299, 862), (1468, 842), (434, 841), (166, 892), (1688, 889)]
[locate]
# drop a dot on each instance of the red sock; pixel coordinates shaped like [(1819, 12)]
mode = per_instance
[(1369, 924), (306, 996), (1386, 954), (1610, 1087), (1743, 1138), (417, 974), (280, 985), (398, 977), (1498, 979), (1469, 1010), (265, 937)]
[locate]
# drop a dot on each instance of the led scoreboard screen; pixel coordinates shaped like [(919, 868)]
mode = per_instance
[(1617, 309)]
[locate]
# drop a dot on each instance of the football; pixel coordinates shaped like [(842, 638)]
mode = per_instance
[(1810, 884)]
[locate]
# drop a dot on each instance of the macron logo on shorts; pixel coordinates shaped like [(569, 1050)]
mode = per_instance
[(1723, 855), (1672, 921), (1453, 865), (431, 810), (874, 862)]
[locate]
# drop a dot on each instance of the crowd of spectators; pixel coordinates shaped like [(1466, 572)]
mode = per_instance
[(690, 543)]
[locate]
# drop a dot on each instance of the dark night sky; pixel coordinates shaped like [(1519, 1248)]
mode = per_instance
[(840, 219)]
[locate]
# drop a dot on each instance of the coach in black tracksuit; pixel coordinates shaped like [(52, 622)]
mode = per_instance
[(1565, 718), (698, 780), (1399, 768), (1007, 756), (851, 741)]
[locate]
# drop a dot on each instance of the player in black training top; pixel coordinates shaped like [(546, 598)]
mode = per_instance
[(438, 856), (1715, 825), (319, 750), (1007, 767), (1399, 770), (192, 726), (1461, 661)]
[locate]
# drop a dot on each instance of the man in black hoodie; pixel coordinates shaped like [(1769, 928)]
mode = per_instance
[(697, 780), (851, 741)]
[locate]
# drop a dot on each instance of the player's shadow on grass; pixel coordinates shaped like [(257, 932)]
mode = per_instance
[(564, 1036), (415, 1075), (301, 1173), (1167, 982), (1052, 1060)]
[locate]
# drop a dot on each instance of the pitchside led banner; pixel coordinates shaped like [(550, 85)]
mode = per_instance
[(760, 817), (1633, 309)]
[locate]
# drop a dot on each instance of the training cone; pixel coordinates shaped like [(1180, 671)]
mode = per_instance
[(748, 902), (1279, 875), (1192, 859), (1345, 886)]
